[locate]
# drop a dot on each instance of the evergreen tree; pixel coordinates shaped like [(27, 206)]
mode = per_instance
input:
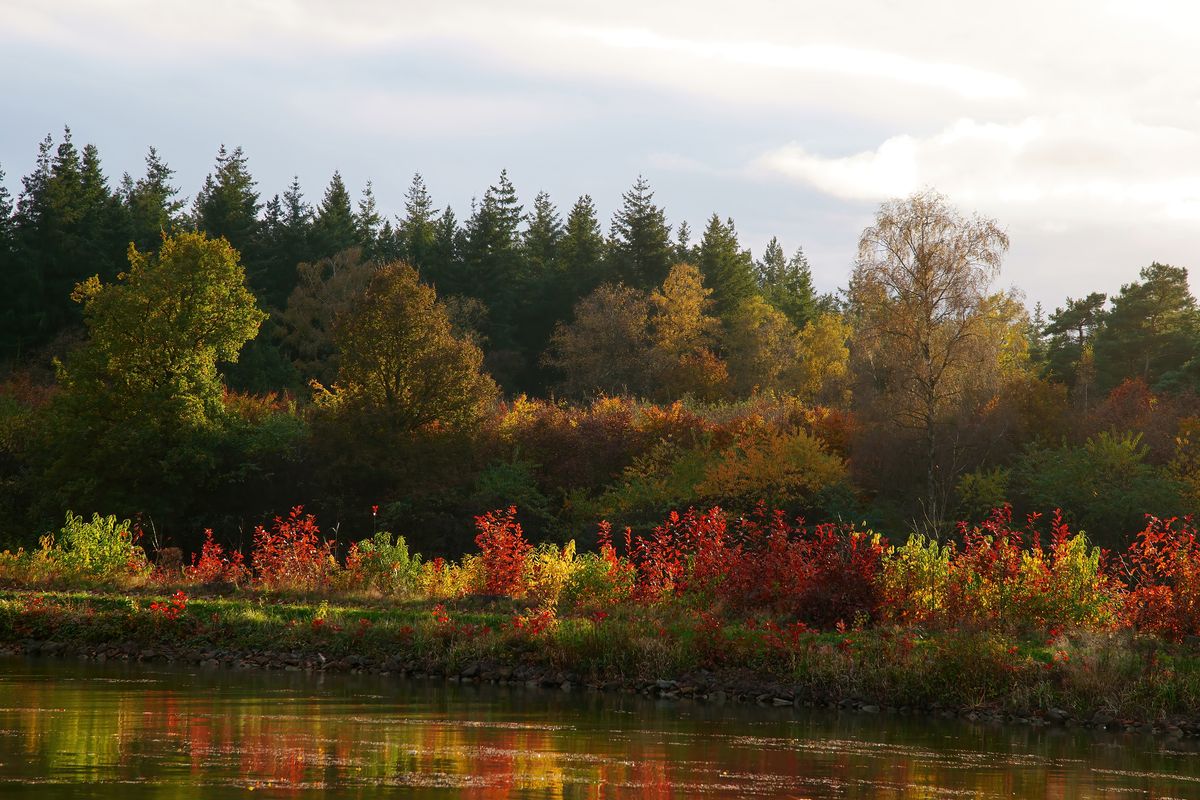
[(542, 236), (334, 228), (419, 227), (228, 205), (787, 283), (685, 253), (727, 269), (444, 260), (582, 250), (153, 204), (495, 268), (1151, 330), (368, 224), (640, 240), (1069, 333), (69, 226)]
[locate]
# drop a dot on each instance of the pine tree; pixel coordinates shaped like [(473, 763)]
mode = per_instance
[(787, 283), (1152, 329), (444, 260), (582, 250), (228, 205), (542, 236), (495, 267), (368, 224), (640, 239), (1070, 332), (334, 225), (418, 229), (685, 253), (69, 226), (153, 204), (726, 267)]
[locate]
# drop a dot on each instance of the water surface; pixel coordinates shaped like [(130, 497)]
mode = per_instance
[(73, 729)]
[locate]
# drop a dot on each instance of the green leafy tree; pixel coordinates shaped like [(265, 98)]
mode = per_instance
[(727, 268), (640, 250), (140, 404), (1152, 330), (401, 368)]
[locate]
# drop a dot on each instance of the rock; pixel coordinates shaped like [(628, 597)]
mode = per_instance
[(782, 701), (1057, 716), (870, 709), (471, 671), (664, 685)]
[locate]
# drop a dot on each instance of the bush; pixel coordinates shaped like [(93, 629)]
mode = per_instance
[(212, 565), (103, 548), (503, 552), (292, 554), (1165, 577), (384, 565)]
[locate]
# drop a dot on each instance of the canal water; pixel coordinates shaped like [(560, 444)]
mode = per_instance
[(74, 729)]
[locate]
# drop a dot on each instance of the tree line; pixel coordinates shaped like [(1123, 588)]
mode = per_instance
[(218, 360)]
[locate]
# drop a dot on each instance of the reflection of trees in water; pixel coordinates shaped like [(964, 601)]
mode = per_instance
[(89, 732)]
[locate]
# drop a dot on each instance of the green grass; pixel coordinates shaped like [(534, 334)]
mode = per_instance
[(1132, 677)]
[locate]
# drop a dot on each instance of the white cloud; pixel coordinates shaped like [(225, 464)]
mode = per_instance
[(1056, 169)]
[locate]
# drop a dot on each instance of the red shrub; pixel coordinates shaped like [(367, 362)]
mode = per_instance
[(212, 565), (1164, 595), (503, 550), (292, 553)]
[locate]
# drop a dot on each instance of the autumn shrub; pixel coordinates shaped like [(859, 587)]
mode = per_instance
[(443, 580), (102, 548), (213, 565), (383, 564), (780, 468), (548, 570), (503, 552), (292, 554), (599, 580), (999, 577), (1164, 574)]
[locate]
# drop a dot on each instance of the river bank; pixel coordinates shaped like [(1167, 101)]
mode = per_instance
[(1115, 681)]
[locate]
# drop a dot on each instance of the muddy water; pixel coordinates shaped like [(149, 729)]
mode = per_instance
[(69, 729)]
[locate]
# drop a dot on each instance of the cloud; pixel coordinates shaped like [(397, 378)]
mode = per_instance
[(1056, 169)]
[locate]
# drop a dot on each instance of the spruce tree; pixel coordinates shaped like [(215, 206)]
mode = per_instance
[(418, 229), (685, 253), (726, 267), (640, 240), (228, 205), (444, 262), (368, 224), (582, 250), (787, 283), (153, 204), (496, 270), (542, 236), (334, 227)]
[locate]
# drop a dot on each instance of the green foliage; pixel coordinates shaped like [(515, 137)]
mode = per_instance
[(102, 548), (384, 564), (151, 389), (982, 490), (1105, 485)]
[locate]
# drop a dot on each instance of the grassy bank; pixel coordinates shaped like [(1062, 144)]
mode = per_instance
[(1116, 678)]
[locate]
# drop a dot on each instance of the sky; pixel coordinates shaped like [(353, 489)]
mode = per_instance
[(1076, 125)]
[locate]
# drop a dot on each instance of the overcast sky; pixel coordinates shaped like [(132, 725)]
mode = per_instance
[(1075, 124)]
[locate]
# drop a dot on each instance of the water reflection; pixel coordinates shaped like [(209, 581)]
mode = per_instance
[(118, 731)]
